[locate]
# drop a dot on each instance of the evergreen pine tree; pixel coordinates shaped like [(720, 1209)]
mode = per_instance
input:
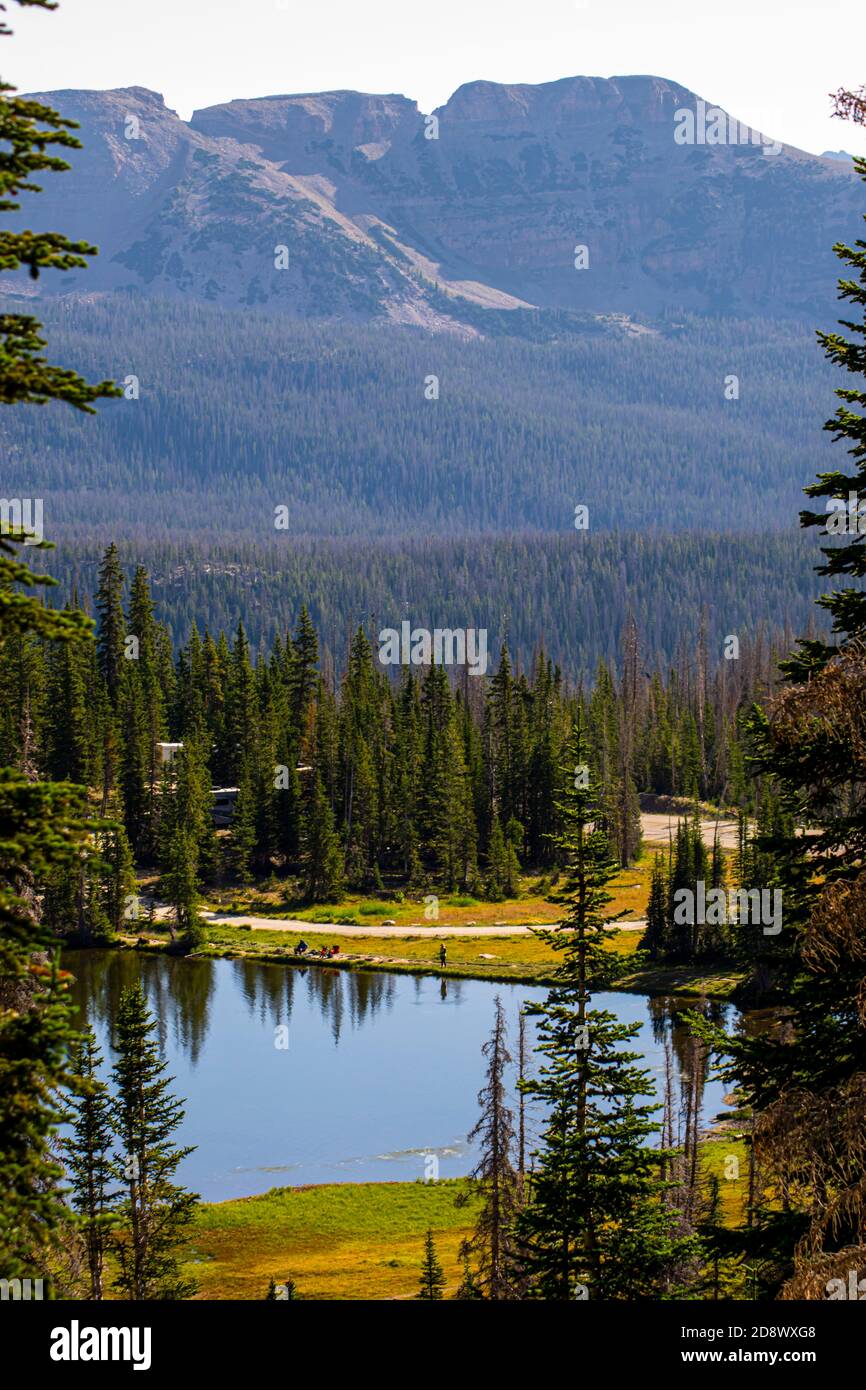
[(513, 838), (806, 1081), (242, 836), (41, 824), (118, 875), (156, 1213), (30, 131), (321, 854), (185, 816), (145, 711), (44, 832), (305, 656), (432, 1280), (497, 862), (656, 937), (87, 1158), (595, 1224), (469, 1289), (111, 628)]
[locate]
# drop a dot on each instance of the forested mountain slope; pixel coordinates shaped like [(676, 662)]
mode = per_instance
[(572, 595), (232, 415), (296, 433)]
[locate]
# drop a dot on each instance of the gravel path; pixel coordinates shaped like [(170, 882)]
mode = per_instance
[(329, 928)]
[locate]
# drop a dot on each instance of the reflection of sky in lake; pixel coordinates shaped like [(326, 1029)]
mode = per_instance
[(380, 1069)]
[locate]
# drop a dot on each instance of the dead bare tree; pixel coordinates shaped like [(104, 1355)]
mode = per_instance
[(522, 1062), (850, 106), (495, 1173)]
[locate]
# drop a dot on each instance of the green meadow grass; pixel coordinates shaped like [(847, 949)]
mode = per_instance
[(337, 1241)]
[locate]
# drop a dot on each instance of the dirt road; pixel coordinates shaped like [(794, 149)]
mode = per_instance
[(657, 827), (329, 928)]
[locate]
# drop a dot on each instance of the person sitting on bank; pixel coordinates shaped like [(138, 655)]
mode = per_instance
[(301, 947)]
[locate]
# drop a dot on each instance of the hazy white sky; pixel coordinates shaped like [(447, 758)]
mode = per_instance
[(769, 62)]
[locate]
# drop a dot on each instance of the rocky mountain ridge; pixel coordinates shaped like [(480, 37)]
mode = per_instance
[(582, 196)]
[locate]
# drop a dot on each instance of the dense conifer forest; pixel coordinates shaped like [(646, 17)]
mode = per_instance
[(580, 591), (342, 780), (691, 427)]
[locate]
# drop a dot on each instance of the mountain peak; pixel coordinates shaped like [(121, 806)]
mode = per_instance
[(383, 213), (280, 124), (106, 96)]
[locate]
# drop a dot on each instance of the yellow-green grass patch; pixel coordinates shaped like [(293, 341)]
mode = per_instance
[(336, 1241)]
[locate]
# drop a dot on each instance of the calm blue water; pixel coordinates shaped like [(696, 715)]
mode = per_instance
[(380, 1070)]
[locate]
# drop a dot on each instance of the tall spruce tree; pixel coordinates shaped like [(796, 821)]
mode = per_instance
[(111, 627), (806, 1078), (185, 815), (43, 828), (321, 853), (595, 1224), (42, 825), (117, 876), (497, 863), (30, 131), (156, 1213), (242, 836), (144, 716), (86, 1155), (432, 1280), (656, 938)]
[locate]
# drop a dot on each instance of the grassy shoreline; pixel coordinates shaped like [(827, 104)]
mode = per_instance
[(365, 1240), (336, 1240), (522, 959)]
